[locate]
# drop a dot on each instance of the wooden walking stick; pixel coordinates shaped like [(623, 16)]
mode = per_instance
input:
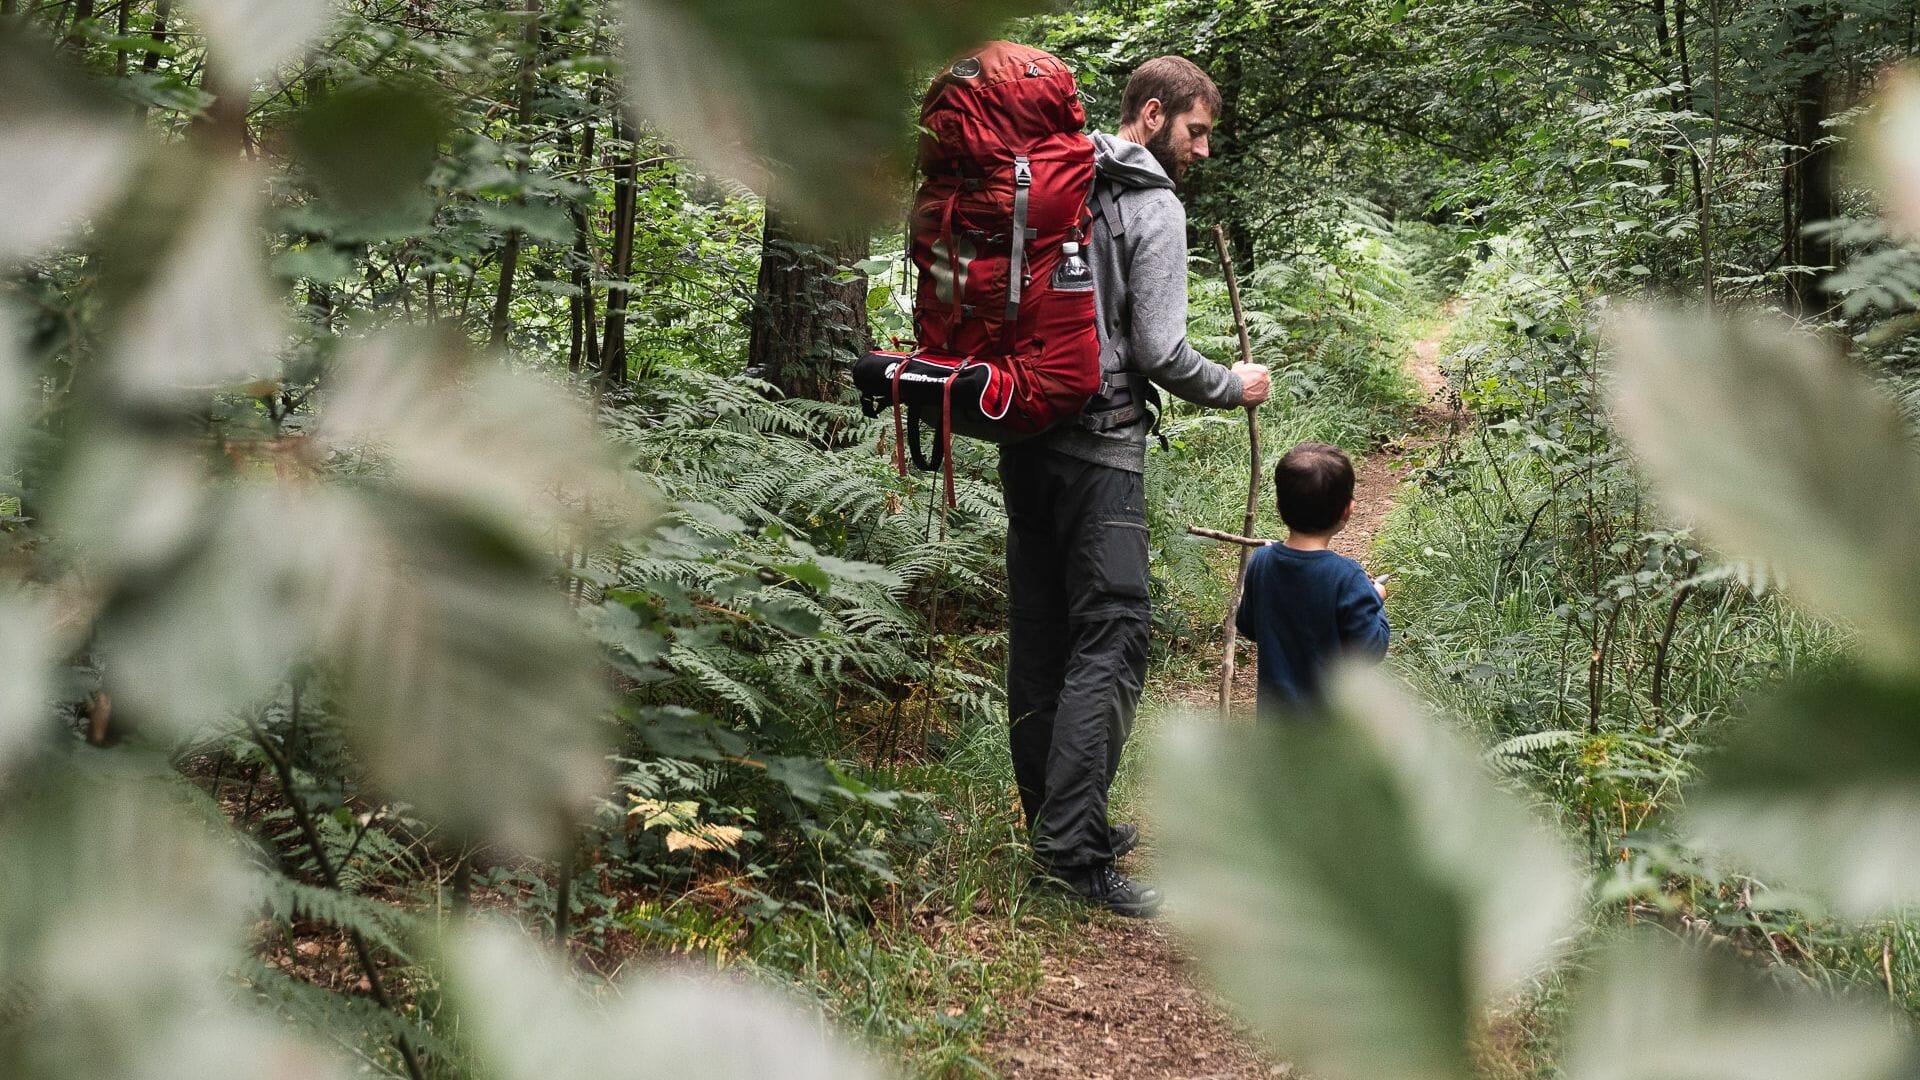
[(1229, 538), (1229, 631)]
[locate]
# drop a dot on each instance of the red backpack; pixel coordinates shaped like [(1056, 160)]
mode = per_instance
[(1004, 325)]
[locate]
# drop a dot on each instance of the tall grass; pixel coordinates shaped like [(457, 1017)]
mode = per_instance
[(1598, 651), (1334, 327)]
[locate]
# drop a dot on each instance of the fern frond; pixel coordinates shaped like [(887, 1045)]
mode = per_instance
[(381, 924)]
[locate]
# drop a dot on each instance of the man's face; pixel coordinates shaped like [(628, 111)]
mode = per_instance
[(1181, 139)]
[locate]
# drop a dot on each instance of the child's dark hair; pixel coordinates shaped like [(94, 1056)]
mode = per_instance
[(1313, 483)]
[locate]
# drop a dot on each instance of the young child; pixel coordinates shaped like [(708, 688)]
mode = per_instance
[(1305, 605)]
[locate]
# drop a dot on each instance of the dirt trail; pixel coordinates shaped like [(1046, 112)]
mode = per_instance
[(1128, 1005)]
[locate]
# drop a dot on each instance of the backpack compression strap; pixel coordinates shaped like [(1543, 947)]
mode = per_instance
[(1017, 269), (1122, 401), (899, 433)]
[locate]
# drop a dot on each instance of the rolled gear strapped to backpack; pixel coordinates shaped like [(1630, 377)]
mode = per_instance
[(1006, 340)]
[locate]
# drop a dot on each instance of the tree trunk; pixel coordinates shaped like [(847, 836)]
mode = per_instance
[(82, 12), (583, 346), (510, 257), (1214, 192), (1812, 170), (161, 11), (1663, 39), (613, 347), (120, 31), (807, 327)]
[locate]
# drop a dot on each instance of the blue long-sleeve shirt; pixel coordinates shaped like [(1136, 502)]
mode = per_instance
[(1303, 610)]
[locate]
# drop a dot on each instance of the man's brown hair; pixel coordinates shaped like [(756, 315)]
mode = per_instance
[(1177, 81), (1313, 484)]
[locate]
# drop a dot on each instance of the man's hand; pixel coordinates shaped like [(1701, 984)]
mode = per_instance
[(1253, 377), (1380, 585)]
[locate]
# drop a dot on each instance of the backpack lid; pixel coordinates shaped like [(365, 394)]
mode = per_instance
[(1001, 100)]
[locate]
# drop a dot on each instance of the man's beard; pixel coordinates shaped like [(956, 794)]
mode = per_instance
[(1160, 145)]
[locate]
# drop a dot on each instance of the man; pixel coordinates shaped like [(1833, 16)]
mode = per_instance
[(1076, 509)]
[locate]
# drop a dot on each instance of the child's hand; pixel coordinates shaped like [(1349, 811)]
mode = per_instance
[(1380, 585)]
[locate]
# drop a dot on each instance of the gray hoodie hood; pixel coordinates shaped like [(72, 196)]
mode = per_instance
[(1139, 263), (1127, 164)]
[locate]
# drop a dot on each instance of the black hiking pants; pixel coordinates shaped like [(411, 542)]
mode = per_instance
[(1077, 650)]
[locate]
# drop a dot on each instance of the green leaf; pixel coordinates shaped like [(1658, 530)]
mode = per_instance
[(806, 779), (514, 450), (315, 262), (15, 388), (788, 615), (132, 506), (1821, 789), (806, 573), (618, 625), (541, 221), (250, 39), (1781, 452), (117, 914), (672, 731), (25, 663), (1358, 886), (208, 316), (1658, 1008), (853, 570), (470, 683), (370, 150), (243, 583), (63, 150), (534, 1021), (1893, 143), (710, 518), (815, 87)]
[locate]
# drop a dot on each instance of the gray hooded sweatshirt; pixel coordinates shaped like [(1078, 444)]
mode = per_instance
[(1144, 268)]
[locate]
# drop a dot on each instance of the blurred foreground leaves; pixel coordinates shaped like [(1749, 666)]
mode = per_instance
[(1362, 892), (121, 918), (1821, 787), (811, 100), (535, 1022), (1783, 453), (1658, 1009), (1358, 885), (63, 148)]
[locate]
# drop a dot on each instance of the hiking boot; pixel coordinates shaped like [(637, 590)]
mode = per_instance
[(1104, 887), (1126, 837)]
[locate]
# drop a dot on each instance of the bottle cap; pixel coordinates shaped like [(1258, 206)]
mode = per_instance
[(1070, 248)]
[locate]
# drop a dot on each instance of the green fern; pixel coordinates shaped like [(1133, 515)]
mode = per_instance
[(353, 1019), (380, 924)]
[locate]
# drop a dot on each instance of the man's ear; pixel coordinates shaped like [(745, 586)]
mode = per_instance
[(1347, 514), (1153, 116)]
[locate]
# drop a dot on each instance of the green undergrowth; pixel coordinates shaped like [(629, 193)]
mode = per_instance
[(1599, 653), (1335, 328), (930, 948)]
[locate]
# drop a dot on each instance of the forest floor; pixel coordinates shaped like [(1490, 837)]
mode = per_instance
[(1127, 1003)]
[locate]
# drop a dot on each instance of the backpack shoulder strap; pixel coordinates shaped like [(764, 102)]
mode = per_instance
[(1105, 203)]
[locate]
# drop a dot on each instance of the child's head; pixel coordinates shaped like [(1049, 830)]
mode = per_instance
[(1313, 483)]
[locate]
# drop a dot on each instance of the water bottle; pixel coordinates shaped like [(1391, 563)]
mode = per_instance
[(1073, 273)]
